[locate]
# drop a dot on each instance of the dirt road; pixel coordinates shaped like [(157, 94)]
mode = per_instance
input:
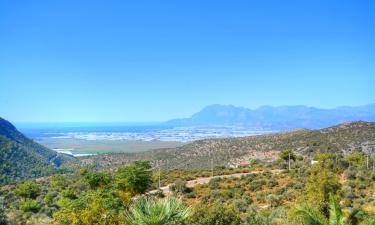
[(205, 180)]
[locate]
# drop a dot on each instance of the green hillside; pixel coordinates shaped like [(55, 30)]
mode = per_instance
[(342, 138), (21, 157), (337, 187)]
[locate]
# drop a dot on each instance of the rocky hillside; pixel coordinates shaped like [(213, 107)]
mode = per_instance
[(21, 157), (230, 151)]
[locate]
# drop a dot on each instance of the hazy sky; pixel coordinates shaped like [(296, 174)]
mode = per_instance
[(157, 60)]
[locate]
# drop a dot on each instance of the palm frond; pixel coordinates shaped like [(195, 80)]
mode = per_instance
[(370, 221), (307, 215), (258, 220), (151, 211), (336, 217)]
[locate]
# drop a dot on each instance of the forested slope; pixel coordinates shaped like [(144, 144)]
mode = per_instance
[(21, 157)]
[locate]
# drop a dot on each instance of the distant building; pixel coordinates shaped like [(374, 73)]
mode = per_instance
[(244, 163), (314, 162)]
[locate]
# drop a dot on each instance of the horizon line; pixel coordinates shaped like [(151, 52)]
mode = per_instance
[(158, 122)]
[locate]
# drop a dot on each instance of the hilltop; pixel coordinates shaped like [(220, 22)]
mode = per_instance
[(277, 118), (21, 157), (342, 138)]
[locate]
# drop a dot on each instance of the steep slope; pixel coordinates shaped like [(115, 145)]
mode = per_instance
[(278, 118), (21, 157), (230, 151)]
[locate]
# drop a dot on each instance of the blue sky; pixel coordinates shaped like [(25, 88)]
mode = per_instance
[(84, 61)]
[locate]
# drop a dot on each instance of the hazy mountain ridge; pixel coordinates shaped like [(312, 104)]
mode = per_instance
[(279, 118), (21, 157)]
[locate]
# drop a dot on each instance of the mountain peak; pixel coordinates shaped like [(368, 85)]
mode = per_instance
[(5, 126), (277, 118)]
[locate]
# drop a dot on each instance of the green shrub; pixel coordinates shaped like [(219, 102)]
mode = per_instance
[(191, 195), (273, 200), (214, 184), (257, 185), (69, 193), (215, 214), (248, 200), (260, 197), (272, 183), (29, 205), (28, 189), (241, 205), (97, 179), (48, 199), (135, 178), (179, 187), (58, 182)]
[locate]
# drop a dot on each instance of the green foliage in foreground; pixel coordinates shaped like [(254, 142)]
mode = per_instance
[(308, 215), (302, 195), (151, 211), (321, 183), (29, 205), (217, 214)]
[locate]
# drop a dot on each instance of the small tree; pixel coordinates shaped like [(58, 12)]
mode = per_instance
[(136, 178), (321, 183), (356, 158), (97, 179), (58, 182), (284, 155), (326, 159), (287, 155)]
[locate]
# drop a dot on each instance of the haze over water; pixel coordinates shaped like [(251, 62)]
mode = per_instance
[(137, 133)]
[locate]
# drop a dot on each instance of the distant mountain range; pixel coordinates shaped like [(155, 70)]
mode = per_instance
[(279, 118), (21, 157)]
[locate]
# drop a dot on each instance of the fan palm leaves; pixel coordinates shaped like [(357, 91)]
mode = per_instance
[(336, 217), (308, 215), (370, 221), (151, 211)]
